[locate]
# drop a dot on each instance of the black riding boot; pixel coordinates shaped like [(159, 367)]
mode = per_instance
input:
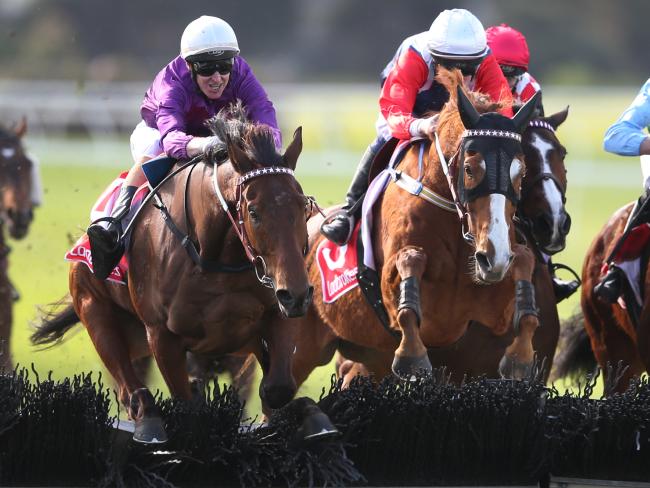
[(338, 227), (105, 235), (564, 289), (610, 286)]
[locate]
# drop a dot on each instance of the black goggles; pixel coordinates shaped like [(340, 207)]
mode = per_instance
[(468, 68), (512, 71), (208, 68)]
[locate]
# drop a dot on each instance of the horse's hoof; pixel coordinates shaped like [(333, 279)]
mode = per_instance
[(150, 430), (406, 367), (317, 426), (510, 368)]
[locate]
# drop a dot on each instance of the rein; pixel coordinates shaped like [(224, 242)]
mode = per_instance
[(257, 262)]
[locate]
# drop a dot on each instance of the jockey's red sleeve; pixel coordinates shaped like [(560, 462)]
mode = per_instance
[(398, 94), (490, 80)]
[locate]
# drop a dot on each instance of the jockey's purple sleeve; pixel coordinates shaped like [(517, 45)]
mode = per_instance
[(176, 107)]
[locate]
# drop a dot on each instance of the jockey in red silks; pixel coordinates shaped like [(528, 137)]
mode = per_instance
[(628, 136), (510, 49), (208, 75), (456, 39)]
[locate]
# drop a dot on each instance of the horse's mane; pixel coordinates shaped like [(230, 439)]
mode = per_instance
[(450, 125), (256, 140)]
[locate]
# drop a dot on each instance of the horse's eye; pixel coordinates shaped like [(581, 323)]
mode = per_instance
[(468, 170), (253, 215)]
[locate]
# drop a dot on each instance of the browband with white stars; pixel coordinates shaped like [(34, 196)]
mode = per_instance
[(492, 133), (271, 170), (541, 123)]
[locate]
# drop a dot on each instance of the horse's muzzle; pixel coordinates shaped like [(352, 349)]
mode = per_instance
[(19, 221), (292, 304), (551, 233), (489, 272)]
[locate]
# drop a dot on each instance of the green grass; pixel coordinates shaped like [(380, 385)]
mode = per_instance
[(76, 171)]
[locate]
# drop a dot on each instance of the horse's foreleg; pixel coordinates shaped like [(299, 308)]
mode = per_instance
[(411, 354), (169, 352), (518, 359)]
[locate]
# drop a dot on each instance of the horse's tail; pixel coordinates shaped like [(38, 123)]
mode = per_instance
[(54, 323), (576, 357)]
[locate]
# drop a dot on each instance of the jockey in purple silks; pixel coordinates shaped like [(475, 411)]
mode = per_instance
[(208, 75)]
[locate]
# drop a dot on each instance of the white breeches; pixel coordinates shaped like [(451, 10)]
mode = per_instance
[(145, 141)]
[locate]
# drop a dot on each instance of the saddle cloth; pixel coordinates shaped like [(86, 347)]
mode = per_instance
[(80, 252), (338, 266)]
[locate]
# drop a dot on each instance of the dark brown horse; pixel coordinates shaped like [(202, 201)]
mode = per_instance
[(16, 214), (421, 251), (607, 332), (215, 303)]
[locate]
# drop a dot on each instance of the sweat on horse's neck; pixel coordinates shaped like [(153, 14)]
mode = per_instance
[(209, 224)]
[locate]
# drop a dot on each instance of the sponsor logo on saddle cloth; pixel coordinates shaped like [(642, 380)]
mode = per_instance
[(338, 267), (80, 252)]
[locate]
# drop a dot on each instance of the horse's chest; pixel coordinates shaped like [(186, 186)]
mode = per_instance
[(448, 311), (224, 323)]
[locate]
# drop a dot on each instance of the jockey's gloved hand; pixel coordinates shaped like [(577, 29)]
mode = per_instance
[(424, 127), (210, 142), (199, 145)]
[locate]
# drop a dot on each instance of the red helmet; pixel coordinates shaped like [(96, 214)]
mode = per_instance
[(508, 46)]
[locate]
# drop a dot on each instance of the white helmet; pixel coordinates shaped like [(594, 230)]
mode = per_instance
[(457, 34), (208, 38)]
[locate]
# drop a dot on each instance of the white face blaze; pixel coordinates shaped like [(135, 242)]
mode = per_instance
[(551, 192), (498, 233)]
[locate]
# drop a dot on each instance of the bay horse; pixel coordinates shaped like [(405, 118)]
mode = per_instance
[(422, 250), (606, 334), (16, 214), (243, 214)]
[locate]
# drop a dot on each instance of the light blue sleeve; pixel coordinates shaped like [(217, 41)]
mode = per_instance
[(625, 136)]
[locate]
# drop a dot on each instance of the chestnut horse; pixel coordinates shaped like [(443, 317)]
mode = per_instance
[(608, 333), (16, 213), (543, 219), (465, 271), (215, 281)]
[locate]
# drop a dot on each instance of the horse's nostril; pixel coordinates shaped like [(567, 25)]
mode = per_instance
[(482, 260), (544, 223), (566, 224), (284, 297), (310, 294)]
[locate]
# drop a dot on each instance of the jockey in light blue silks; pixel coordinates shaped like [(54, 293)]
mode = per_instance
[(626, 137), (208, 75)]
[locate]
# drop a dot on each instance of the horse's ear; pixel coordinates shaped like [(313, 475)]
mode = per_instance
[(239, 159), (526, 113), (557, 119), (21, 128), (294, 149), (468, 113)]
